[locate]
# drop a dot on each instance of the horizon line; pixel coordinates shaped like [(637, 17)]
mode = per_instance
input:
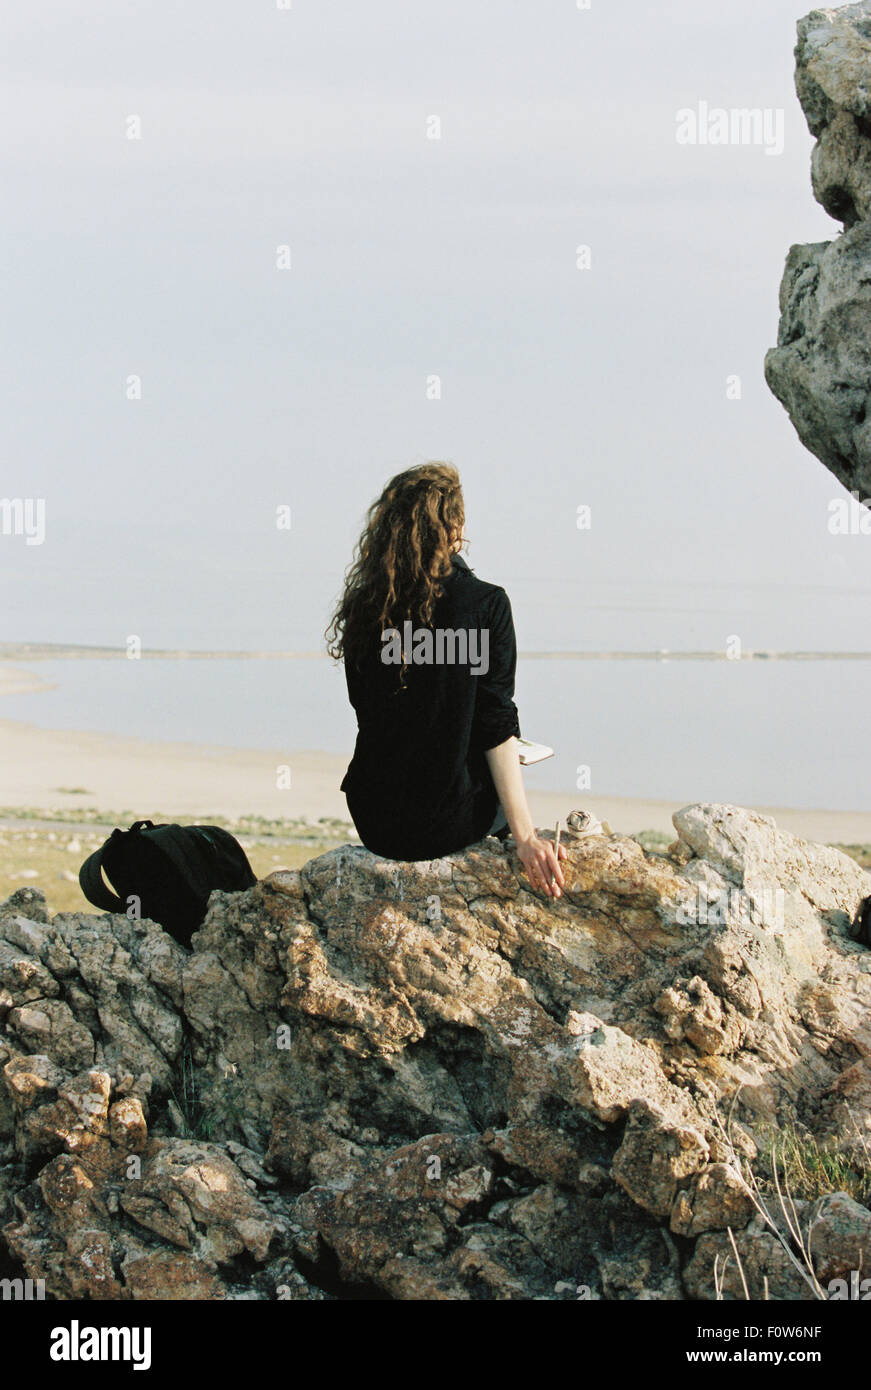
[(43, 651)]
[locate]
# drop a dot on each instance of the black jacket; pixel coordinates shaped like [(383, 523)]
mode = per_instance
[(418, 785)]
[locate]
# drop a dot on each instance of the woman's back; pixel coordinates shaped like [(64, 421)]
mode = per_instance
[(418, 785)]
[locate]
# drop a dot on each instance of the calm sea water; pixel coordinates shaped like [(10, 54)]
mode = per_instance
[(770, 732)]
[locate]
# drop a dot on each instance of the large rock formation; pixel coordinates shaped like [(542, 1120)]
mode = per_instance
[(821, 368), (424, 1081)]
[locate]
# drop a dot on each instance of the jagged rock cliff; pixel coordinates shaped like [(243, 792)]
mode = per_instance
[(821, 368), (424, 1081)]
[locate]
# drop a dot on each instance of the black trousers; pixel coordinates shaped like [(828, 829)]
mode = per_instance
[(392, 847)]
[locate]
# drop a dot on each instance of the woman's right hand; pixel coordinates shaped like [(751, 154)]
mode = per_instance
[(540, 862)]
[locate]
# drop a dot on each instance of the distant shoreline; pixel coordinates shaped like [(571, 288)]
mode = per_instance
[(63, 651), (45, 770)]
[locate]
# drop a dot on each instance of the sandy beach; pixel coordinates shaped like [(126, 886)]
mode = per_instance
[(63, 769)]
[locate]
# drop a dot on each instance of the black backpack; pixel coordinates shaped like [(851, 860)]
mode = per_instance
[(170, 869)]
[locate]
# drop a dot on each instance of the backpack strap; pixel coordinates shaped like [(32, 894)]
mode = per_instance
[(91, 880), (92, 883)]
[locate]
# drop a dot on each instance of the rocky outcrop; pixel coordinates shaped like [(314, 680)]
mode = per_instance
[(425, 1081), (821, 368)]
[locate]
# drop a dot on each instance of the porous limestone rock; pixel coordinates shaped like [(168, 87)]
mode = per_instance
[(820, 369), (426, 1081)]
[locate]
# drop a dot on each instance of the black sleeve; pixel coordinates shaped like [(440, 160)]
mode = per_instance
[(495, 717)]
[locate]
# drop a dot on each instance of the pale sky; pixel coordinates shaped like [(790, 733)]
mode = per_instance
[(409, 257)]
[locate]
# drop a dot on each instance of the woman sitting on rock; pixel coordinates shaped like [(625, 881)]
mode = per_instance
[(430, 656)]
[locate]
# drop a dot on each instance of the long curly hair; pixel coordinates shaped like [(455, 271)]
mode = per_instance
[(400, 559)]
